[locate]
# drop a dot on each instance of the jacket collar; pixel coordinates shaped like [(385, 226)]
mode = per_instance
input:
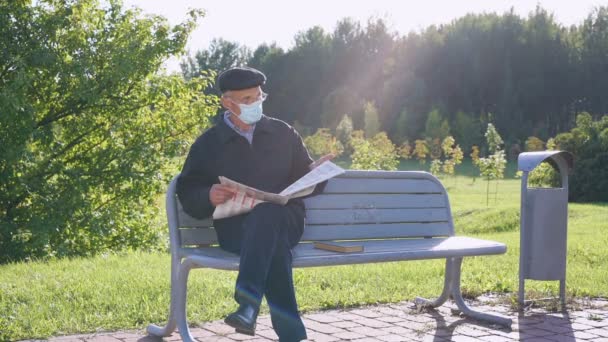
[(226, 133)]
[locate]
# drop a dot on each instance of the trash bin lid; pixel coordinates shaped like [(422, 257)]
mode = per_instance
[(528, 161)]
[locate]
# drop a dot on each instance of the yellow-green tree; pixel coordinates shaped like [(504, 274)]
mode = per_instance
[(474, 154), (322, 143), (377, 153), (421, 150), (534, 144), (405, 150)]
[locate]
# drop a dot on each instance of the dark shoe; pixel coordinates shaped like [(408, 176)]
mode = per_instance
[(243, 319)]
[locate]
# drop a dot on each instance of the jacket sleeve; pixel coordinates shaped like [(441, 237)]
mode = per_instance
[(301, 161), (194, 183)]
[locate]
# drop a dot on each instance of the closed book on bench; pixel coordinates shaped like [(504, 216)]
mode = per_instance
[(340, 247)]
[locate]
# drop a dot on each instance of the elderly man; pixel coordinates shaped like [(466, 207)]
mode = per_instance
[(269, 155)]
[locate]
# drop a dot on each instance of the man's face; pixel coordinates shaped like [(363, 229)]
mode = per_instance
[(233, 98)]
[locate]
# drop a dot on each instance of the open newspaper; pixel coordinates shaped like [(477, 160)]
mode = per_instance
[(245, 197)]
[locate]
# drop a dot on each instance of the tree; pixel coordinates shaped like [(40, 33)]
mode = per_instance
[(220, 56), (89, 128), (493, 166), (466, 130), (493, 139), (534, 144), (436, 126), (421, 150), (377, 153), (344, 130), (452, 154), (405, 150), (588, 141), (372, 125), (474, 154), (322, 143)]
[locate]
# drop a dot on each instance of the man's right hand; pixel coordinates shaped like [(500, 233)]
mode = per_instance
[(220, 193)]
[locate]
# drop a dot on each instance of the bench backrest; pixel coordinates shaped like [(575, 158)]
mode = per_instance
[(354, 205)]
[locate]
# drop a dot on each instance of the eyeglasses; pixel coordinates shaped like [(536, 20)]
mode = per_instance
[(248, 99)]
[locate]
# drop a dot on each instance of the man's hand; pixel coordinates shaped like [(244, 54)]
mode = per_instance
[(321, 160), (220, 193)]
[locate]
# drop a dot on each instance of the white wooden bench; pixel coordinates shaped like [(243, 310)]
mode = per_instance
[(396, 216)]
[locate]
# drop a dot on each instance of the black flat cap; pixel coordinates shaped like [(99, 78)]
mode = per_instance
[(240, 78)]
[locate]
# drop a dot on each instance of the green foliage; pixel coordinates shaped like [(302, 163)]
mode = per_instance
[(535, 81), (434, 145), (421, 150), (370, 116), (474, 154), (435, 167), (493, 166), (588, 141), (436, 126), (452, 156), (544, 176), (493, 139), (90, 129), (344, 130), (322, 143), (405, 150), (340, 101), (377, 153), (466, 130), (534, 144), (220, 56), (402, 129)]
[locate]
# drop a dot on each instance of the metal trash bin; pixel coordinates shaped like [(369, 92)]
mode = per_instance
[(543, 223)]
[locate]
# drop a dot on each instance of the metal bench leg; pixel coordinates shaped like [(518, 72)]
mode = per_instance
[(169, 328), (180, 303), (462, 306), (447, 289)]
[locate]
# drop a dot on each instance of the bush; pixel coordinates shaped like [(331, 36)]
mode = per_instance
[(378, 153), (588, 141), (322, 143), (421, 150), (534, 144), (88, 129), (344, 130)]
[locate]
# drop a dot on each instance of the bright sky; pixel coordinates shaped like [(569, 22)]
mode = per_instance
[(254, 22)]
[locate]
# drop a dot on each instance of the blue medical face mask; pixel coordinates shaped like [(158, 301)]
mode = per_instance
[(251, 113)]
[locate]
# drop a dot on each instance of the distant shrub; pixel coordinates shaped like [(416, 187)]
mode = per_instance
[(588, 141), (405, 150), (377, 153), (322, 143), (421, 151), (534, 144)]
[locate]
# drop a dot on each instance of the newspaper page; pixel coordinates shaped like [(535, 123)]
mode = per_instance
[(246, 197)]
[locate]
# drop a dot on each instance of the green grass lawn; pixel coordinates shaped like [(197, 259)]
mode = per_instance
[(126, 291)]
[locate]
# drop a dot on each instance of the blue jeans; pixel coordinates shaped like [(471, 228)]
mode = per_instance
[(264, 238)]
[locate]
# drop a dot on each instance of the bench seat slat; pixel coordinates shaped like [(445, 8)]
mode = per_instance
[(342, 185), (378, 201), (375, 231), (197, 236), (358, 216), (207, 236), (374, 251)]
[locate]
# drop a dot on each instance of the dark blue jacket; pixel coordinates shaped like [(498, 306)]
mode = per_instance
[(276, 158)]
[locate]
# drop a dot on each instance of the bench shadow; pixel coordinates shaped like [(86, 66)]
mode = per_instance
[(444, 331), (532, 326)]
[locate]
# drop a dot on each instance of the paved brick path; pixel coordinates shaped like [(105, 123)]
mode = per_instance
[(401, 322)]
